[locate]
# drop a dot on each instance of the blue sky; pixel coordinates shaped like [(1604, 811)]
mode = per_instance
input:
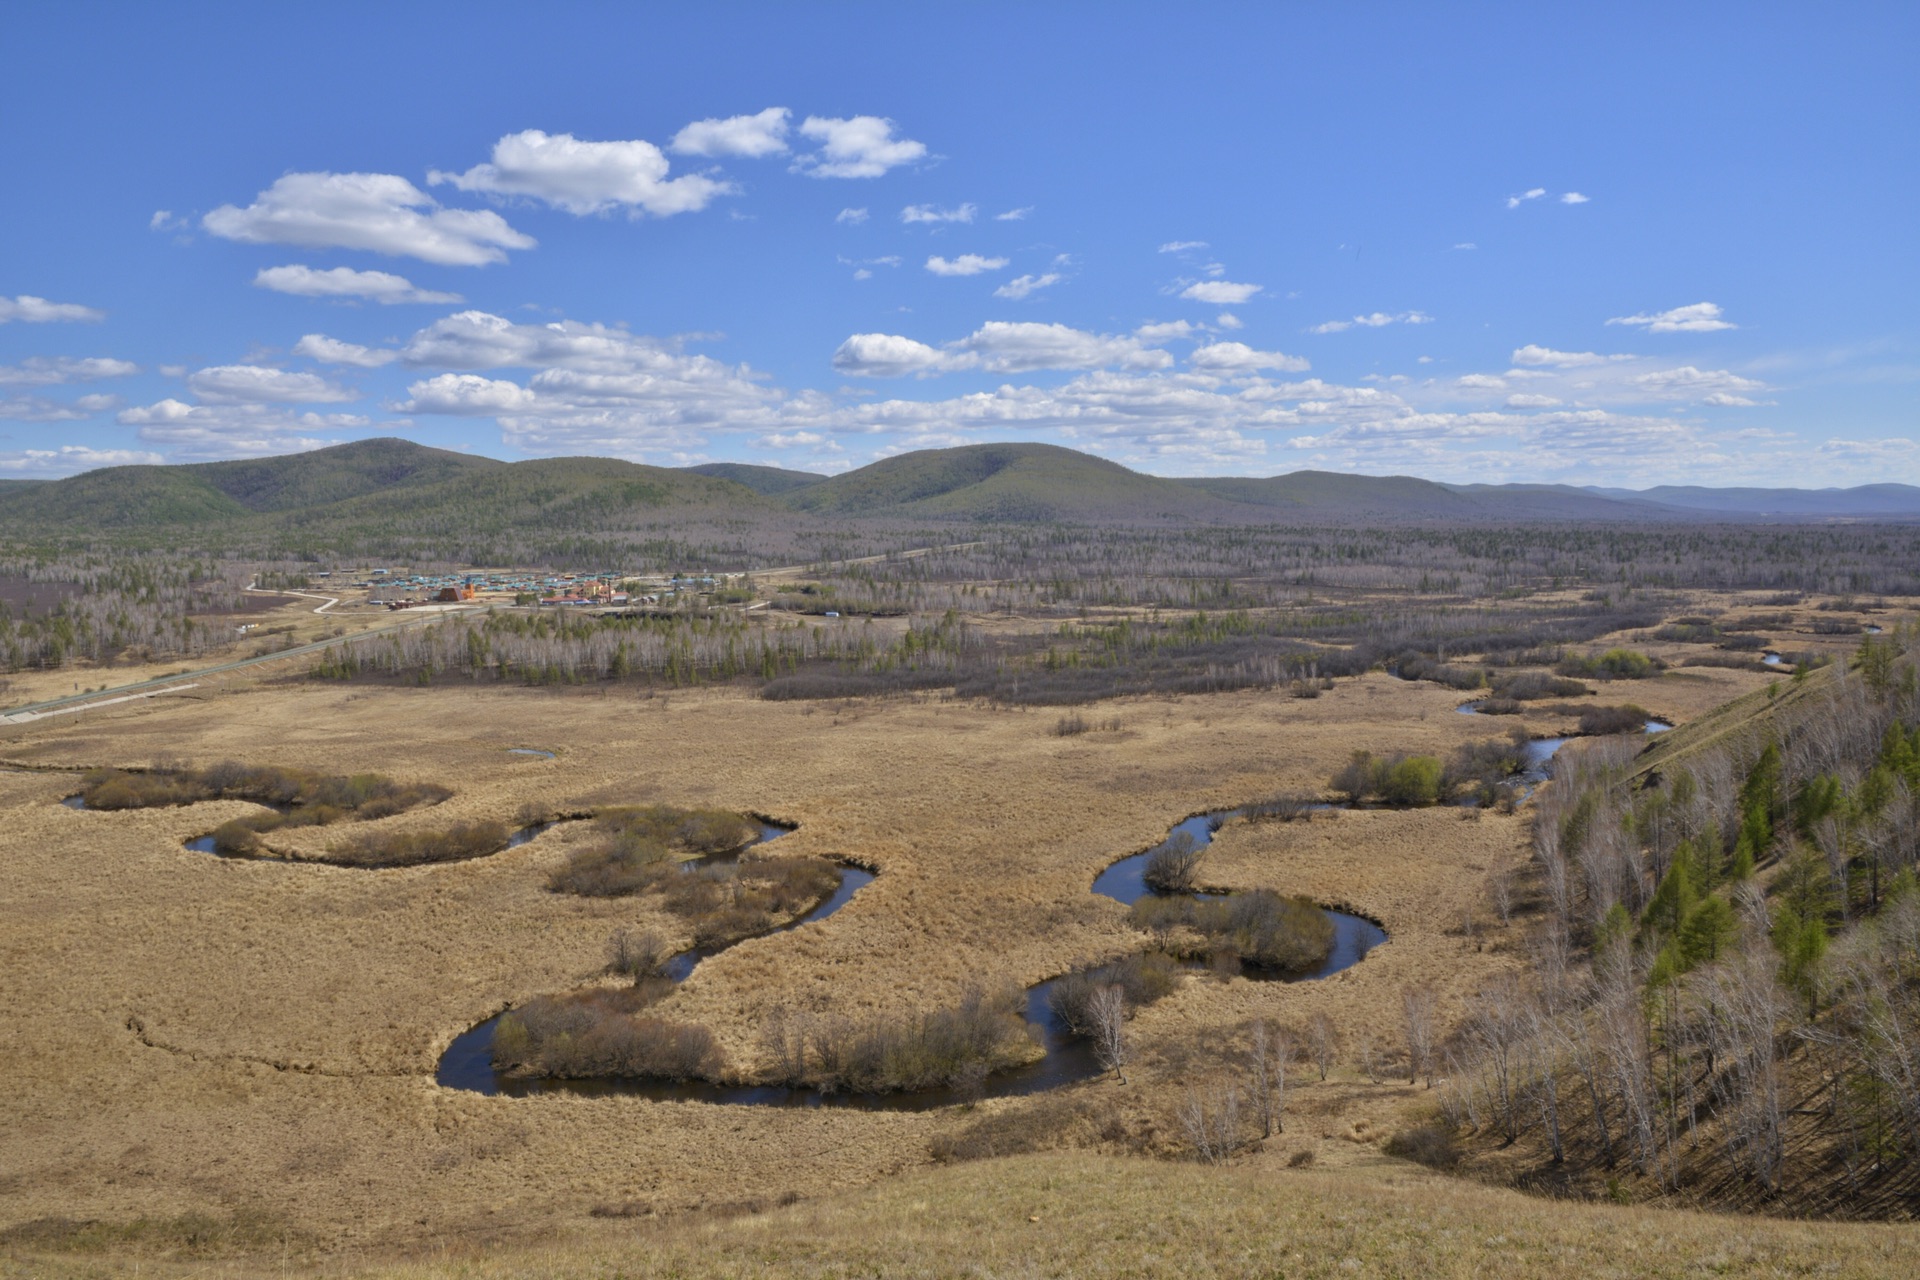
[(1623, 245)]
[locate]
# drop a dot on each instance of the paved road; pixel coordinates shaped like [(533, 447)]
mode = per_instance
[(34, 710)]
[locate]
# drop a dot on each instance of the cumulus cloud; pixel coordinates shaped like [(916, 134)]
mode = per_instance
[(998, 346), (1014, 215), (1574, 197), (1182, 246), (1219, 292), (855, 147), (1534, 356), (586, 177), (755, 136), (1020, 286), (467, 394), (31, 310), (317, 346), (967, 264), (1534, 193), (888, 355), (1527, 400), (934, 213), (1480, 382), (378, 212), (1166, 331), (1238, 357), (257, 384), (41, 409), (233, 430), (1228, 320), (1373, 320), (1701, 317), (53, 371), (479, 340), (1687, 382), (345, 282), (71, 459), (853, 217)]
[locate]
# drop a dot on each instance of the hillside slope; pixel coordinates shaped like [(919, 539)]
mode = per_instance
[(763, 480), (1007, 482)]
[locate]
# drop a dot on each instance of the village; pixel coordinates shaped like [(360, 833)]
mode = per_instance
[(396, 589)]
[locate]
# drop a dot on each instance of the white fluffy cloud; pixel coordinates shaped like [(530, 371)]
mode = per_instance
[(1533, 193), (1574, 197), (934, 213), (1020, 286), (317, 346), (1015, 215), (1166, 331), (852, 217), (1373, 320), (967, 264), (856, 147), (755, 136), (998, 346), (233, 430), (586, 177), (1182, 246), (378, 212), (1223, 293), (1701, 317), (1689, 383), (32, 310), (888, 355), (71, 459), (467, 394), (1239, 358), (257, 384), (479, 340), (53, 371), (345, 282), (41, 409), (1533, 356)]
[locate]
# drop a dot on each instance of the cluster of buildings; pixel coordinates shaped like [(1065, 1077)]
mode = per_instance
[(397, 589)]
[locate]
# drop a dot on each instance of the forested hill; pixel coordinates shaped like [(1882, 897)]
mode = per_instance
[(392, 497)]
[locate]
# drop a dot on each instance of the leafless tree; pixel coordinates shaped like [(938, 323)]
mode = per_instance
[(1171, 867), (1323, 1041), (1267, 1076), (637, 953), (1107, 1011), (1211, 1121), (1418, 1008)]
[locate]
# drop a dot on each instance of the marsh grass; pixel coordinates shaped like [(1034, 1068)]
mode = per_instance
[(601, 1032), (955, 1047), (304, 797), (635, 845), (1260, 928)]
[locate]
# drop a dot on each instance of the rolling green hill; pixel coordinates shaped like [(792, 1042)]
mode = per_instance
[(1015, 483), (770, 481)]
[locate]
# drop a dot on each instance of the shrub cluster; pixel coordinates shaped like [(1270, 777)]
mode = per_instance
[(1398, 779), (636, 845), (456, 843), (1261, 928), (601, 1033), (1172, 866), (304, 798), (1531, 686), (1142, 979), (1614, 664), (947, 1048)]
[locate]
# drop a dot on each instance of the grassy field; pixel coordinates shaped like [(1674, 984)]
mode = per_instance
[(220, 1063)]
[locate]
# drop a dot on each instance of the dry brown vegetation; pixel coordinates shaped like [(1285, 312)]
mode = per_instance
[(217, 1042)]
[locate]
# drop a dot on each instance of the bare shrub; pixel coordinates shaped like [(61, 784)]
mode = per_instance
[(1140, 979), (456, 843), (1211, 1121), (1172, 866), (1262, 928), (1323, 1042), (638, 953), (1432, 1145)]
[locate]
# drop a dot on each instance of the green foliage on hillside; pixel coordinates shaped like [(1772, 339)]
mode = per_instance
[(770, 481)]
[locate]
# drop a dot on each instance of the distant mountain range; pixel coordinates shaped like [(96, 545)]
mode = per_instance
[(357, 494)]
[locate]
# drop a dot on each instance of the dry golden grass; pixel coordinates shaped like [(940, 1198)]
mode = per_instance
[(186, 1034)]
